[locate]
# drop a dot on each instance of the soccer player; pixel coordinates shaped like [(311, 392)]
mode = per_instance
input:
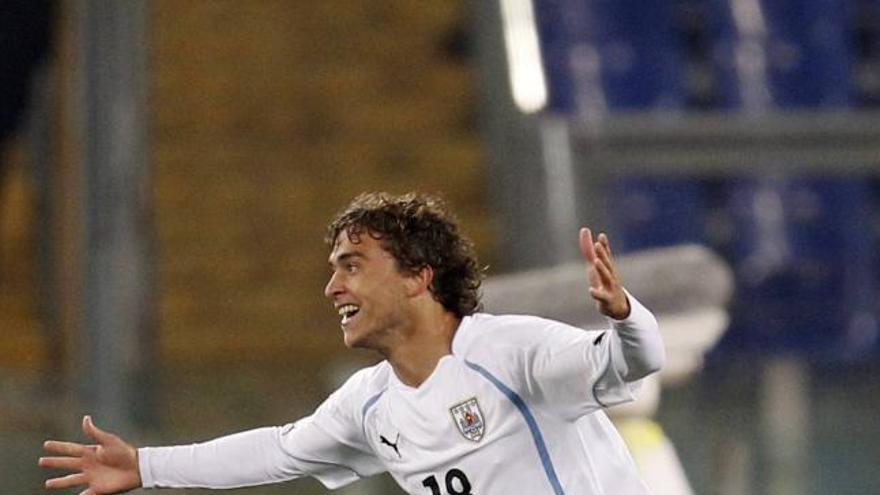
[(463, 403)]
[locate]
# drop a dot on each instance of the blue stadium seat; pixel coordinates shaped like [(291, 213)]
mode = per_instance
[(864, 37), (808, 53), (796, 52), (654, 212), (802, 258), (628, 47), (803, 246), (640, 54)]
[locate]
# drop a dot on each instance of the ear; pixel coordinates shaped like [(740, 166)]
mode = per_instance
[(420, 282)]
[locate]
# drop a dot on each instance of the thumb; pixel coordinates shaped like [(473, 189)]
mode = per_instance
[(98, 435)]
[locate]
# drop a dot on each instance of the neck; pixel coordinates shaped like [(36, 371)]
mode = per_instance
[(416, 355)]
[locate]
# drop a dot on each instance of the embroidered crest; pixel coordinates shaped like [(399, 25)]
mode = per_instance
[(468, 417)]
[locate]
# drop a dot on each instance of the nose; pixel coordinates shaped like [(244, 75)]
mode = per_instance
[(333, 287)]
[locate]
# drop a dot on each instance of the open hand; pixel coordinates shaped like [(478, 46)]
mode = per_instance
[(605, 285), (110, 466)]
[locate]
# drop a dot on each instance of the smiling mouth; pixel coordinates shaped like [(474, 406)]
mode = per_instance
[(347, 312)]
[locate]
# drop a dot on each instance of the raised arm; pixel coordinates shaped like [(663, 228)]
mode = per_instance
[(108, 466), (605, 285), (638, 350)]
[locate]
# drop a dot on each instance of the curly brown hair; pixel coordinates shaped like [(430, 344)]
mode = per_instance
[(418, 231)]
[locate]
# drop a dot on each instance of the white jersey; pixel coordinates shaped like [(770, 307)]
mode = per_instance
[(515, 408)]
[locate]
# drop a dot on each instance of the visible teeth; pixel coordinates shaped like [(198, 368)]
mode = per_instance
[(347, 310)]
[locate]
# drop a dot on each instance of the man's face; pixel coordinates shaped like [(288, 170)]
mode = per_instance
[(367, 290)]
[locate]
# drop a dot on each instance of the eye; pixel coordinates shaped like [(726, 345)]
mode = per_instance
[(352, 267)]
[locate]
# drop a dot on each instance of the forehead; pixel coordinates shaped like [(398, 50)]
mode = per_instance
[(360, 244)]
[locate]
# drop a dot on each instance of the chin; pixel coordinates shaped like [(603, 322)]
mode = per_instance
[(352, 340), (355, 339)]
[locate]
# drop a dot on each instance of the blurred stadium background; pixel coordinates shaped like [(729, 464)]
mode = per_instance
[(167, 169)]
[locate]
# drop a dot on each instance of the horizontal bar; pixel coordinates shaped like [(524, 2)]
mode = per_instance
[(833, 142)]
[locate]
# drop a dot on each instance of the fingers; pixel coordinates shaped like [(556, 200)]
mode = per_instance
[(604, 255), (69, 463), (603, 239), (606, 278), (67, 481), (609, 280), (65, 448), (87, 491), (98, 435), (587, 245), (590, 248)]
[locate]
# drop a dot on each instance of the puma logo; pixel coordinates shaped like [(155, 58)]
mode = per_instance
[(387, 442)]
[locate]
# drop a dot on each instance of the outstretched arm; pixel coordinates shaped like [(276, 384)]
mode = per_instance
[(109, 466), (114, 466), (316, 446), (638, 347)]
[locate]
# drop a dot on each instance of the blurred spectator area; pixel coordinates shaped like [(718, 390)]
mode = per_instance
[(25, 34), (269, 117), (265, 119)]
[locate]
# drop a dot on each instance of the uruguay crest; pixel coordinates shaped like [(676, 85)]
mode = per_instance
[(468, 417)]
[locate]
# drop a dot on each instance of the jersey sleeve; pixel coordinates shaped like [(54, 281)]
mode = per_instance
[(635, 351), (328, 445), (571, 371), (568, 370)]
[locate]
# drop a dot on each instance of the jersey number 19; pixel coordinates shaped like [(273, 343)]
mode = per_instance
[(463, 488)]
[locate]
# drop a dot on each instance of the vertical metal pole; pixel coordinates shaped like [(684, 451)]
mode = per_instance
[(515, 149), (559, 183), (117, 343)]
